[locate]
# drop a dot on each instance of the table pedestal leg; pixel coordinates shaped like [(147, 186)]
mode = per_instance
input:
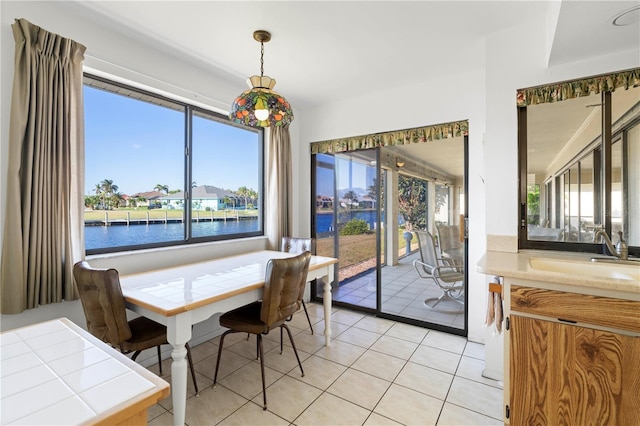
[(179, 384)]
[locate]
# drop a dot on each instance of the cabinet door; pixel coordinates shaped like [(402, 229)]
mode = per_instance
[(568, 375)]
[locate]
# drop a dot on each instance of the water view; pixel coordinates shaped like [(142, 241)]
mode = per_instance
[(97, 237)]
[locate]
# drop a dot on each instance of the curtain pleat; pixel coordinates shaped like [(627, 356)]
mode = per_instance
[(279, 187), (43, 228)]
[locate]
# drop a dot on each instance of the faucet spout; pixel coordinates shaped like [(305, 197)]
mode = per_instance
[(621, 250)]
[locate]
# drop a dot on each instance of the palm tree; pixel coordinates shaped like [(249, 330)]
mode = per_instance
[(98, 191), (162, 188), (352, 197), (108, 188), (243, 191)]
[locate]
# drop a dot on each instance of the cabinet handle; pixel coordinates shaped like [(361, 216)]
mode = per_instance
[(567, 321), (507, 323)]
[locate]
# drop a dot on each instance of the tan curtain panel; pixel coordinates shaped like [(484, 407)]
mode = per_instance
[(573, 89), (399, 137), (279, 186), (43, 222)]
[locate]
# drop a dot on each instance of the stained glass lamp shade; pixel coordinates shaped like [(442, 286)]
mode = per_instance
[(261, 106)]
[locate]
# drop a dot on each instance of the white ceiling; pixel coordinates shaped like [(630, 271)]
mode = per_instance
[(323, 50)]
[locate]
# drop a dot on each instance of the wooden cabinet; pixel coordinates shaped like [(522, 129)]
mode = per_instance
[(573, 359)]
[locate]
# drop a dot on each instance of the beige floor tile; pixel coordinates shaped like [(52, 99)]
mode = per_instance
[(474, 350), (166, 419), (471, 368), (407, 332), (360, 388), (203, 350), (341, 352), (424, 379), (436, 358), (213, 405), (154, 411), (307, 342), (452, 415), (376, 419), (285, 361), (331, 410), (359, 336), (336, 328), (229, 363), (253, 414), (299, 320), (447, 342), (346, 317), (318, 372), (247, 381), (476, 396), (377, 325), (409, 407), (393, 346), (380, 365), (289, 397), (203, 383), (249, 348)]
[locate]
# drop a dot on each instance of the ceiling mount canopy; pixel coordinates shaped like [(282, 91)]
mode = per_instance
[(261, 106)]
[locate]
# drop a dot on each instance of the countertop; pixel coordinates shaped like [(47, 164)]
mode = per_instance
[(518, 265)]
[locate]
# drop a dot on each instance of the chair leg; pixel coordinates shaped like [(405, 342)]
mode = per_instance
[(264, 389), (215, 377), (307, 314), (193, 371), (295, 351), (281, 341), (159, 360)]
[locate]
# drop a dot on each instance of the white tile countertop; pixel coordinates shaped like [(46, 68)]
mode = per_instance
[(56, 373), (569, 269)]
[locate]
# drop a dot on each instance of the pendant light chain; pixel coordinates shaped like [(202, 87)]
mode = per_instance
[(261, 59)]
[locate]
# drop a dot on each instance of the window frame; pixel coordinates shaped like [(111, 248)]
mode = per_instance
[(601, 150), (188, 111)]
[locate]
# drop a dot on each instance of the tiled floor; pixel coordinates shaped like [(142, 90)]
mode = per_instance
[(403, 293), (376, 372)]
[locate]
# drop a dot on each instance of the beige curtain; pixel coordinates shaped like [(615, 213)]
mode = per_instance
[(278, 184), (43, 222)]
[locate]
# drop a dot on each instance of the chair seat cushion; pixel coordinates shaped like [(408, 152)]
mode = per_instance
[(245, 319), (145, 333)]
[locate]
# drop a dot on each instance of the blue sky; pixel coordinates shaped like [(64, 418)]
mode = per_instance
[(138, 145)]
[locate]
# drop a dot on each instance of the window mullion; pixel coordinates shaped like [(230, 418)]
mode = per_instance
[(188, 176), (606, 160)]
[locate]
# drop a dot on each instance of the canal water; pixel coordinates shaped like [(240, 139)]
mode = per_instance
[(97, 237)]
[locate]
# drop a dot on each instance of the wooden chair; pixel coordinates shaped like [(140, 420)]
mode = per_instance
[(442, 271), (299, 245), (105, 312), (284, 280)]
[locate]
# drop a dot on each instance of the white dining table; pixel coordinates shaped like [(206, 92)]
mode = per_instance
[(184, 295)]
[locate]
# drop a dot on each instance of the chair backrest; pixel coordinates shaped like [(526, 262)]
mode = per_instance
[(297, 245), (284, 280), (103, 303), (448, 236), (428, 254)]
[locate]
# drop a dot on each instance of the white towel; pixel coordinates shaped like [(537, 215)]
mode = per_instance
[(494, 307)]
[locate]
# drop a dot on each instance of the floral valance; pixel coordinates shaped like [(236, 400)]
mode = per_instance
[(573, 89), (396, 138)]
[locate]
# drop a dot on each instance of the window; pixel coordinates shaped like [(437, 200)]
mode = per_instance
[(160, 172), (583, 152)]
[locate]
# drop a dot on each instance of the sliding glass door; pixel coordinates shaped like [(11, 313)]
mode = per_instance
[(395, 219), (346, 223)]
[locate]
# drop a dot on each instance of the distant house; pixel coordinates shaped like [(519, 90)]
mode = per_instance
[(151, 199), (324, 202), (205, 197)]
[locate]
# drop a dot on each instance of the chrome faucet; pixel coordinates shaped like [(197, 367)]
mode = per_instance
[(621, 249)]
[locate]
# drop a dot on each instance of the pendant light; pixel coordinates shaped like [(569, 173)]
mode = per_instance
[(261, 106)]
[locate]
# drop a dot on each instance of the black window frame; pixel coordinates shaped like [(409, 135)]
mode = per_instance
[(188, 110)]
